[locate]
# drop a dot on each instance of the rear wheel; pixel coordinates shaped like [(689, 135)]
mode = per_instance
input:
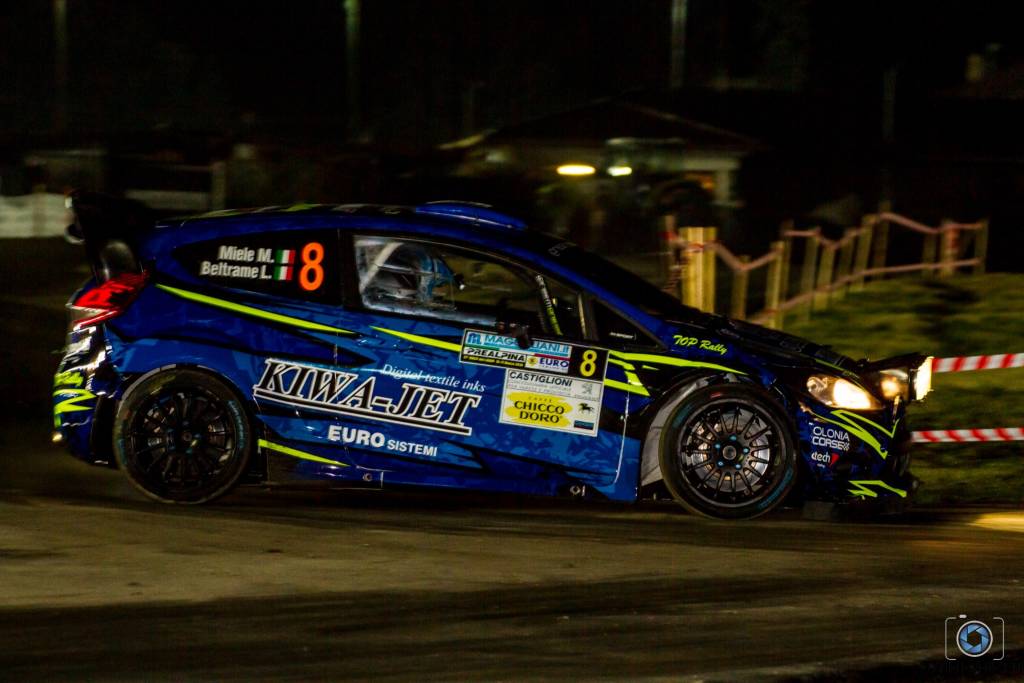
[(727, 452), (182, 436)]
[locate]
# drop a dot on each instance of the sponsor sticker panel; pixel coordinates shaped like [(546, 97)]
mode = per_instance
[(341, 392), (702, 344), (550, 401), (366, 438), (830, 437), (486, 348)]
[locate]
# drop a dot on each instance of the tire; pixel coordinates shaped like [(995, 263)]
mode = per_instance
[(727, 452), (182, 436)]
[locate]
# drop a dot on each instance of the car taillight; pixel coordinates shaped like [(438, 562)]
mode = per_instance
[(107, 300)]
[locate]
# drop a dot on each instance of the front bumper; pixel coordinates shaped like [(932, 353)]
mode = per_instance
[(856, 456)]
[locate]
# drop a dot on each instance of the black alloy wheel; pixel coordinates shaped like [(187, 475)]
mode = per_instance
[(182, 436), (727, 452)]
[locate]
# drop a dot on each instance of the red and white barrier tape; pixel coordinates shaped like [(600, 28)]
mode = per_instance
[(969, 435), (998, 361)]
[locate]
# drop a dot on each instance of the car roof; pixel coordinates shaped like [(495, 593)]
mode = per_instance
[(453, 214)]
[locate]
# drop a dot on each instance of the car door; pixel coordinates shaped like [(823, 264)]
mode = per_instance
[(458, 400)]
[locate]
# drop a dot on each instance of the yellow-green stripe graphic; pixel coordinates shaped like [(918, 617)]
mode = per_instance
[(252, 311), (296, 453)]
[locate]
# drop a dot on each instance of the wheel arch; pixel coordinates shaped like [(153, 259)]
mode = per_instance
[(138, 379), (257, 469), (684, 386), (774, 406), (254, 469)]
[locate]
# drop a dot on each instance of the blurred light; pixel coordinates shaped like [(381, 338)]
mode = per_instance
[(575, 169), (891, 387), (617, 171), (923, 379), (705, 180), (1001, 521), (895, 382)]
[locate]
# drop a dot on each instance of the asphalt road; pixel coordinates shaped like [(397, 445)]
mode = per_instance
[(98, 584)]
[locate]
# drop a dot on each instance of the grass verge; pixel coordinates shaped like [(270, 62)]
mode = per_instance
[(957, 316)]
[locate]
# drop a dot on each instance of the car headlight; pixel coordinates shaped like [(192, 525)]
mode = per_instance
[(923, 379), (836, 392)]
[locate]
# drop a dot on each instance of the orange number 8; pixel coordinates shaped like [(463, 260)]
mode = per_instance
[(311, 276)]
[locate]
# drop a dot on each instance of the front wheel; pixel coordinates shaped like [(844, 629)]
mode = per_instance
[(182, 436), (727, 452)]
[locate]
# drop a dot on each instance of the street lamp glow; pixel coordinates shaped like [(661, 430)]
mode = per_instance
[(575, 169), (617, 171)]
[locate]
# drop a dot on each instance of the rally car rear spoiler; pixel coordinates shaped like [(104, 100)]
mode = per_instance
[(110, 229)]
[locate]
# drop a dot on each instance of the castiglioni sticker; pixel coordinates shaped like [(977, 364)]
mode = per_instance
[(549, 401)]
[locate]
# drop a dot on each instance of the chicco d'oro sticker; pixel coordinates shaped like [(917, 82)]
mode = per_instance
[(551, 401)]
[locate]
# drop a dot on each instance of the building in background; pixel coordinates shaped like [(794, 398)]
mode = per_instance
[(604, 174)]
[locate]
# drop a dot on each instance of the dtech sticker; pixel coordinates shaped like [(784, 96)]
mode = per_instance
[(563, 404), (343, 393), (825, 459)]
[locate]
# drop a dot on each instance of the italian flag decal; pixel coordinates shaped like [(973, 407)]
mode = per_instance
[(284, 264)]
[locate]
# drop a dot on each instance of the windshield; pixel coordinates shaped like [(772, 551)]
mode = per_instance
[(619, 281)]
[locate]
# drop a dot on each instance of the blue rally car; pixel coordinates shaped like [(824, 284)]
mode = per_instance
[(446, 345)]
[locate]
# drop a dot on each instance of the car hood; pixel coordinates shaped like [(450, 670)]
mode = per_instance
[(774, 346)]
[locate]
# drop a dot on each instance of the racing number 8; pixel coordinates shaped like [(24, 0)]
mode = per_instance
[(311, 276), (589, 364)]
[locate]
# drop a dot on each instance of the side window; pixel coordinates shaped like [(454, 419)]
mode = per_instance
[(296, 264), (448, 283), (613, 329)]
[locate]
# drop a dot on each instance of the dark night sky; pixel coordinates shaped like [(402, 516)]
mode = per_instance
[(278, 68)]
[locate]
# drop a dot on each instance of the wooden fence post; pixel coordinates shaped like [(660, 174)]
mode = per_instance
[(740, 283), (773, 287), (947, 249), (981, 247), (692, 279), (845, 262), (710, 235), (810, 265), (867, 229), (821, 291), (683, 236)]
